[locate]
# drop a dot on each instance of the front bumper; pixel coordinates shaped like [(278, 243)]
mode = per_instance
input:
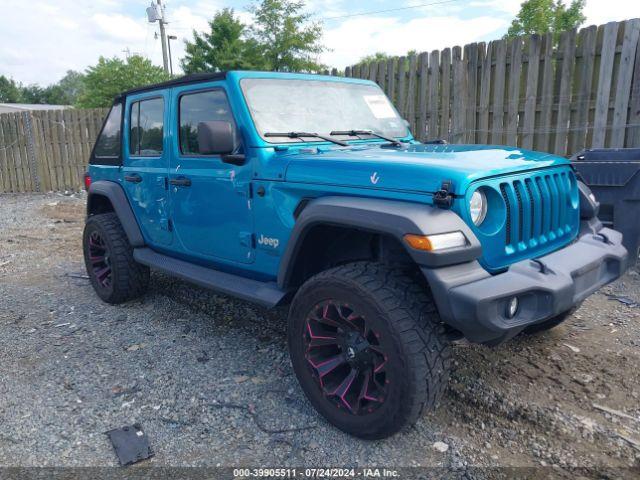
[(475, 302)]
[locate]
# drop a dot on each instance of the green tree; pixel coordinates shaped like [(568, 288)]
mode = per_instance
[(282, 38), (287, 38), (224, 47), (10, 91), (67, 91), (382, 57), (543, 16), (33, 94), (375, 57), (111, 76)]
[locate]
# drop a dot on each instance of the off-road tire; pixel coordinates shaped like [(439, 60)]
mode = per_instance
[(402, 310), (129, 279)]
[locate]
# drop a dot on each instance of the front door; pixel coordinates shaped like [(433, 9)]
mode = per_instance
[(209, 199), (146, 163)]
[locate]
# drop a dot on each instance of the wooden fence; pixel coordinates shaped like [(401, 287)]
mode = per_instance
[(48, 150), (527, 92)]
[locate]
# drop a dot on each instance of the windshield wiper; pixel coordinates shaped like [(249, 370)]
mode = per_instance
[(306, 134), (357, 133)]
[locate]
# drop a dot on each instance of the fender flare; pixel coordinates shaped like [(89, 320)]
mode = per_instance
[(390, 217), (115, 193)]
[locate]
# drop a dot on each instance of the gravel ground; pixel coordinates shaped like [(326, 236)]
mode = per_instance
[(209, 378)]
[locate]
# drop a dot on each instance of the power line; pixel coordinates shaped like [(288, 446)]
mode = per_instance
[(372, 12), (388, 10)]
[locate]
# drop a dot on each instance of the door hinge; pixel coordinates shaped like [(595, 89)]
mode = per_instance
[(243, 188), (247, 239), (443, 198), (166, 225)]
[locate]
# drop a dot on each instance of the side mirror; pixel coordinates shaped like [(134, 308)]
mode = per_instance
[(216, 137)]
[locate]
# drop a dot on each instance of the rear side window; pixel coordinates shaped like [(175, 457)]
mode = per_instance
[(201, 107), (108, 144), (146, 127)]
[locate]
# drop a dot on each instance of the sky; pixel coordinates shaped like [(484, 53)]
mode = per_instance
[(41, 40)]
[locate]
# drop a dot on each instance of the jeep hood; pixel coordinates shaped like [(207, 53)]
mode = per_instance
[(417, 168)]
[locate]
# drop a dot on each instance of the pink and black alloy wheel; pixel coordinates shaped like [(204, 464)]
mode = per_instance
[(99, 260), (345, 357)]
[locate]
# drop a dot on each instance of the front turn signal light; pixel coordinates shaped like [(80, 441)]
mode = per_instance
[(440, 241)]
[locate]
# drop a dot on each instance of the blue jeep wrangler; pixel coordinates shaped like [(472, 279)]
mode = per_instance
[(309, 191)]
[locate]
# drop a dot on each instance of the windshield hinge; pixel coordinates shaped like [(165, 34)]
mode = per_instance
[(443, 198)]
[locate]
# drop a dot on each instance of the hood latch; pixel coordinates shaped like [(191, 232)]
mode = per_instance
[(443, 198)]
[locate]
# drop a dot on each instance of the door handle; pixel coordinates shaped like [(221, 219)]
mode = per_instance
[(181, 182), (134, 178)]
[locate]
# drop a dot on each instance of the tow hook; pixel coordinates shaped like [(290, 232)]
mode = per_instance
[(443, 197), (544, 269), (603, 238)]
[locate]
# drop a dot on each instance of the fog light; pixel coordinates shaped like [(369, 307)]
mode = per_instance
[(512, 307)]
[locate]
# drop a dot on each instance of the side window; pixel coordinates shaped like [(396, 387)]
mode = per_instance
[(108, 144), (146, 127), (201, 107)]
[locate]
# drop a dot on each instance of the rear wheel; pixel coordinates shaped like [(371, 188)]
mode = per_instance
[(368, 348), (114, 274)]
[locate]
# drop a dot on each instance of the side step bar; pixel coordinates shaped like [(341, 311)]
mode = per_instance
[(266, 294)]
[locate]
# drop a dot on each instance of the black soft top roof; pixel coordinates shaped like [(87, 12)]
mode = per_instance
[(184, 80)]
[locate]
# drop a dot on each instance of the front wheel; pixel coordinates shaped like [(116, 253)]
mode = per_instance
[(368, 348)]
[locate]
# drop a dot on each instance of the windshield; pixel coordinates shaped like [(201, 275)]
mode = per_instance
[(285, 105)]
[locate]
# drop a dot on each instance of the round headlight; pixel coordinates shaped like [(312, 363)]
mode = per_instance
[(478, 207)]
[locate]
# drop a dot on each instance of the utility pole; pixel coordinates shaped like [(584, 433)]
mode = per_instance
[(163, 38), (156, 14)]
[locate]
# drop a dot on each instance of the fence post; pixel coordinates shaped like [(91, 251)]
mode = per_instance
[(31, 150)]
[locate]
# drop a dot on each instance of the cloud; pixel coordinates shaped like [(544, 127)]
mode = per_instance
[(41, 41), (184, 20), (509, 7), (327, 8), (603, 11), (357, 37), (119, 27)]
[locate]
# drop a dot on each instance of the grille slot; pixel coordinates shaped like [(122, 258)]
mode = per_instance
[(503, 190), (516, 187)]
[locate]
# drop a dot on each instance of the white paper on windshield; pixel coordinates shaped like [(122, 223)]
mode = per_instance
[(380, 106)]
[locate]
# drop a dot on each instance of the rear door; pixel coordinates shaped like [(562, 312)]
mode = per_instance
[(146, 164), (210, 199)]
